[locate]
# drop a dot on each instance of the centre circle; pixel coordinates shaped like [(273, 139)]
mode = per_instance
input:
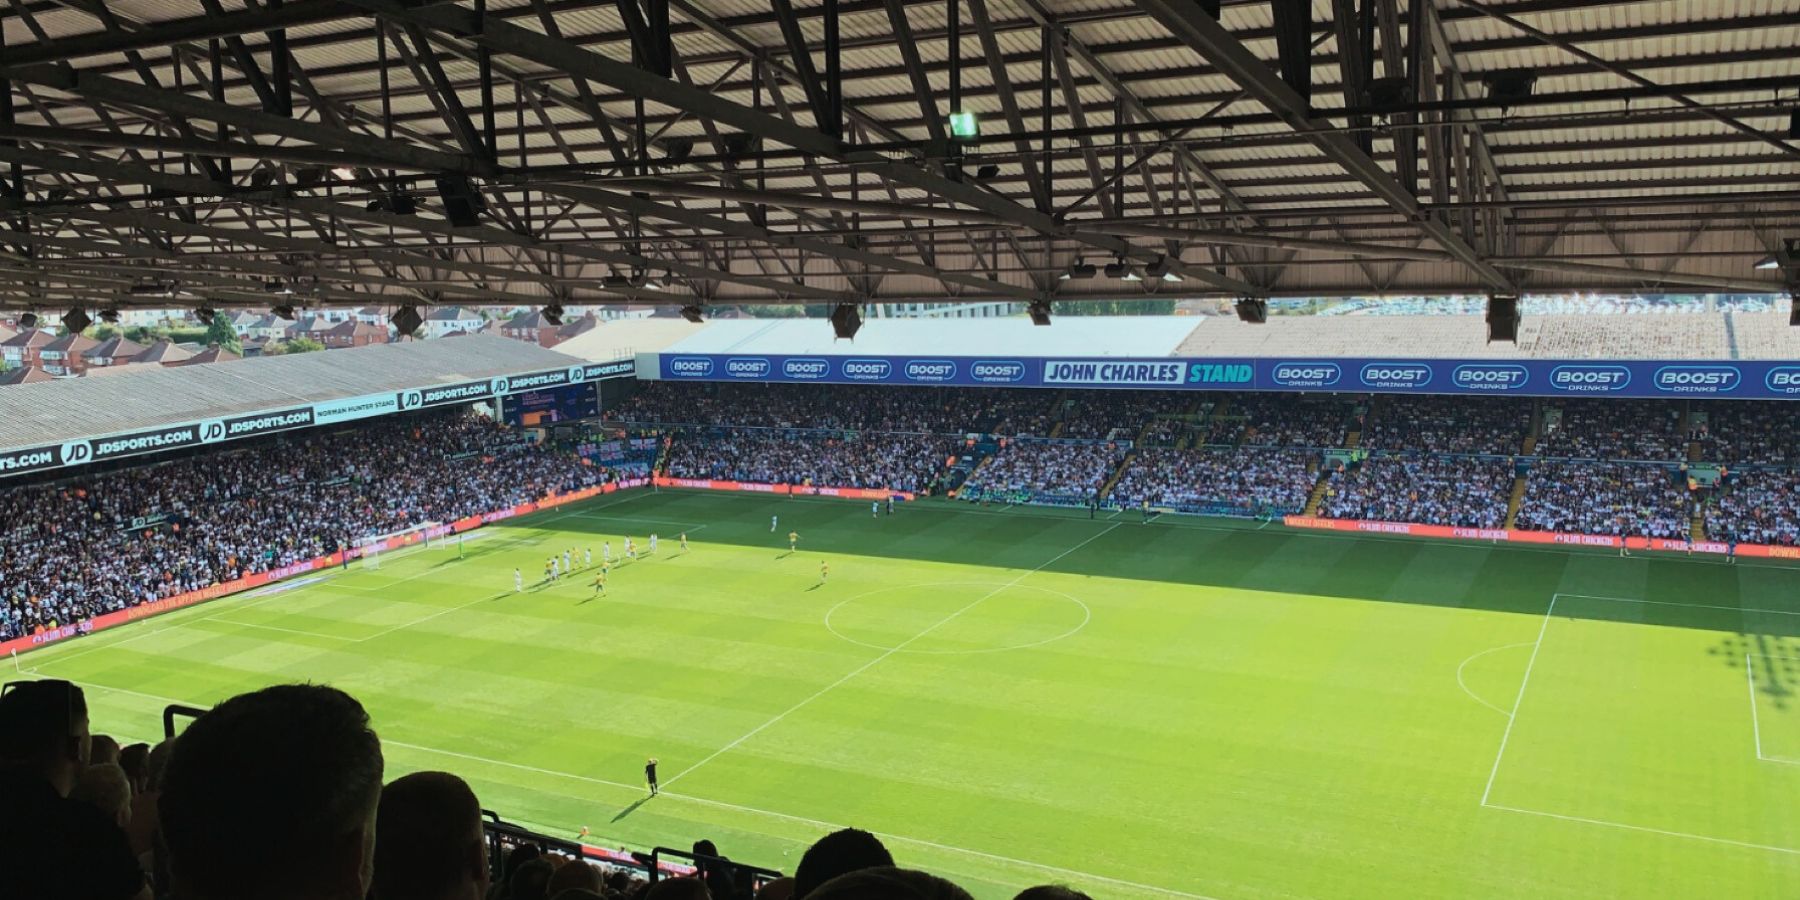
[(956, 617)]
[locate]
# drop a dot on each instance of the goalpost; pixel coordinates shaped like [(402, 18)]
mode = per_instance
[(371, 547)]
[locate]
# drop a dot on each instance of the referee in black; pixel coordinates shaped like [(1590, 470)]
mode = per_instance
[(650, 776)]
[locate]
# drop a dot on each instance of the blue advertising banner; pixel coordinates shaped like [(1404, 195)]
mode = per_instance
[(1775, 380)]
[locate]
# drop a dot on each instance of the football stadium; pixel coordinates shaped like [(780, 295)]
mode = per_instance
[(926, 449)]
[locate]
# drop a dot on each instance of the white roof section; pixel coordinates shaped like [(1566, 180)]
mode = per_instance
[(72, 408), (1011, 337), (625, 338)]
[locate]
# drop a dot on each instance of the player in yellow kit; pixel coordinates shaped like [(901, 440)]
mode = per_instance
[(824, 571), (793, 540), (600, 580)]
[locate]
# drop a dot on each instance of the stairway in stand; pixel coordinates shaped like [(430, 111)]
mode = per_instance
[(1317, 497), (1117, 474), (1697, 528), (1518, 495)]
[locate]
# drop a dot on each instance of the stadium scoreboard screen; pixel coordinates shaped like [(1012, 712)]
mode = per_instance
[(548, 407)]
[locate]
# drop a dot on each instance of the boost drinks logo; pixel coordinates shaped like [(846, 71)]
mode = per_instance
[(1783, 380), (1490, 377), (690, 367), (1401, 375), (930, 370), (867, 369), (1307, 374), (748, 367), (990, 371), (1697, 379), (807, 369), (1590, 379)]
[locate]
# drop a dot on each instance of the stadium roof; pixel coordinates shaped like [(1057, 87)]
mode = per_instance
[(1014, 336), (67, 409), (1452, 146)]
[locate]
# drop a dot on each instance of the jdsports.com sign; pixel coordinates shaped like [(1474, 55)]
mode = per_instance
[(24, 460)]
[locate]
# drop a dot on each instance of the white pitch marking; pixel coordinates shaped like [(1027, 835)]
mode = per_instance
[(1743, 609), (1475, 656), (1513, 717), (890, 652), (1679, 834), (1755, 723)]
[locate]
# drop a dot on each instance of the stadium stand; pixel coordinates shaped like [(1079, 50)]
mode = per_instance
[(1040, 472), (1465, 491), (1758, 506), (899, 462), (1614, 429), (1606, 498), (1218, 481), (106, 541), (1448, 425)]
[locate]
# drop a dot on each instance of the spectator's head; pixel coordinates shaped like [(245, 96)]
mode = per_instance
[(158, 764), (105, 787), (44, 727), (135, 760), (889, 884), (102, 749), (531, 881), (428, 840), (679, 889), (1051, 892), (704, 847), (835, 854), (575, 875), (778, 889), (272, 795)]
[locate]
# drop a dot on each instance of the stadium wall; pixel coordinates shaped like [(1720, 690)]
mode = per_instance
[(1744, 380), (146, 610), (1514, 535), (786, 490)]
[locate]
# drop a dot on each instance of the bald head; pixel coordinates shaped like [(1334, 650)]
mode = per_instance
[(428, 841)]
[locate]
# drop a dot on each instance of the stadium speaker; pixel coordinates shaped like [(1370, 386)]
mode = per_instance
[(283, 311), (1503, 318), (463, 205), (28, 320), (1039, 311), (1793, 311), (110, 316), (76, 321), (692, 314), (846, 321), (204, 314), (406, 320), (1253, 310), (553, 314), (1794, 124)]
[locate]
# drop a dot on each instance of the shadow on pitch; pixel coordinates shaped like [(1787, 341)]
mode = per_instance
[(632, 808)]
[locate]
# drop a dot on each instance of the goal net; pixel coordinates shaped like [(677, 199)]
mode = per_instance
[(372, 547)]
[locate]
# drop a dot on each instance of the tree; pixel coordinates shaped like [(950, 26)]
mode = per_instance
[(302, 345), (220, 332)]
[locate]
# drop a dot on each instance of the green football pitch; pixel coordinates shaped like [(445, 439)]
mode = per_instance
[(1185, 708)]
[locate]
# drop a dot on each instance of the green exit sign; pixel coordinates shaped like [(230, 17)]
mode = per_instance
[(964, 126)]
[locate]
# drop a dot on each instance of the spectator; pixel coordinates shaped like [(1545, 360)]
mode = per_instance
[(840, 852), (1218, 481), (1029, 471), (777, 889), (144, 816), (898, 462), (531, 881), (51, 847), (575, 875), (888, 884), (715, 870), (678, 889), (1051, 892), (105, 788), (428, 840), (272, 794), (1605, 498), (103, 750), (135, 760)]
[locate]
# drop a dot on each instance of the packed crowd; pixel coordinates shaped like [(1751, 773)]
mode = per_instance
[(840, 408), (72, 550), (1749, 433), (1757, 507), (1615, 429), (1280, 420), (901, 462), (279, 794), (1218, 480), (1119, 415), (1606, 498), (1448, 425), (1073, 472), (1464, 491)]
